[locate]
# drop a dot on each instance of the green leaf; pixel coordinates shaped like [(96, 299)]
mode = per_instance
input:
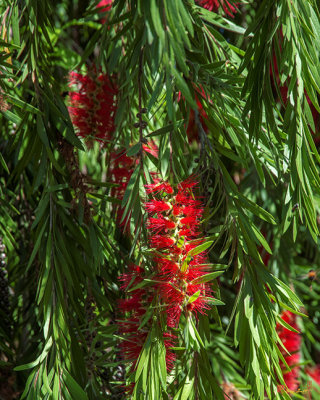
[(214, 302), (199, 249), (3, 163), (182, 85), (195, 330), (207, 277), (143, 360), (194, 297), (185, 391), (74, 388), (134, 150), (72, 138), (166, 129), (56, 387), (15, 25), (38, 242), (39, 360), (156, 19), (286, 325), (12, 117)]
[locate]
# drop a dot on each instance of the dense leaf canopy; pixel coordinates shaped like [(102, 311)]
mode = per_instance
[(107, 112)]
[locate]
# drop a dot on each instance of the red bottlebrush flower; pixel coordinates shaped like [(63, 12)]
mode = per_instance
[(159, 186), (214, 5), (292, 342), (161, 242), (135, 304), (134, 275), (172, 234), (189, 220), (188, 184), (160, 224), (176, 284), (190, 211), (156, 206), (93, 106), (167, 267)]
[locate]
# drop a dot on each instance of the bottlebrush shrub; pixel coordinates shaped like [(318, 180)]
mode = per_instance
[(292, 343), (214, 5), (179, 261), (93, 105)]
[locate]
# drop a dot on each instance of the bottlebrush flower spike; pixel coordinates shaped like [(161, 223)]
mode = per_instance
[(134, 308), (292, 342), (172, 233), (93, 106), (214, 5), (157, 205)]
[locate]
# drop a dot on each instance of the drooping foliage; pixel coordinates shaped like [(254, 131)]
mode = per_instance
[(159, 199)]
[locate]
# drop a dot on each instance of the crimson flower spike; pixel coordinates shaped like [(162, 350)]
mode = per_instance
[(93, 105), (174, 221), (134, 308)]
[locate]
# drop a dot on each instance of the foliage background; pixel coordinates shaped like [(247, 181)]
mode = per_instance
[(258, 171)]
